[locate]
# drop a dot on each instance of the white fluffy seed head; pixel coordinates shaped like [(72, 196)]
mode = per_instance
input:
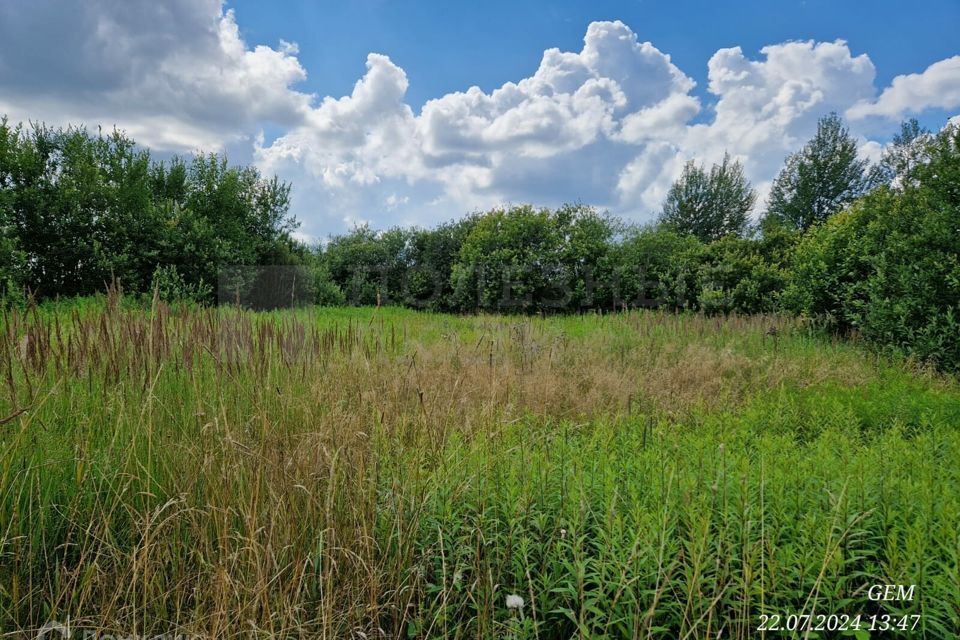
[(514, 602)]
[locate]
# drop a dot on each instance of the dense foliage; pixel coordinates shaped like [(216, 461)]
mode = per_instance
[(709, 205), (79, 210), (889, 266), (872, 250)]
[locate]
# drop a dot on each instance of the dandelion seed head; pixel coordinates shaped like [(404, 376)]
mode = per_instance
[(514, 602)]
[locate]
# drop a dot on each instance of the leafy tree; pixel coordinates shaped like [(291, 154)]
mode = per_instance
[(587, 238), (12, 260), (78, 210), (512, 260), (905, 154), (73, 201), (889, 266), (367, 265), (657, 267), (709, 205), (432, 255), (218, 216), (744, 275), (820, 179)]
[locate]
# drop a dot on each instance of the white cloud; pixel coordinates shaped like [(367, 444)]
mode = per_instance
[(768, 108), (175, 75), (646, 179), (561, 134), (938, 87), (610, 125)]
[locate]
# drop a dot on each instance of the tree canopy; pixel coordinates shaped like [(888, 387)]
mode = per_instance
[(78, 210), (709, 205), (823, 177)]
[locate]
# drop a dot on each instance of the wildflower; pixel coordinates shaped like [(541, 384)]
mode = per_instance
[(514, 602)]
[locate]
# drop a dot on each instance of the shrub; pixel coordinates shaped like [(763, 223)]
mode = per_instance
[(171, 286), (658, 267), (744, 275), (889, 266), (327, 292)]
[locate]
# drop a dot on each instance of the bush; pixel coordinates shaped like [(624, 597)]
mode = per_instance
[(171, 286), (657, 267), (326, 291), (889, 266), (744, 276)]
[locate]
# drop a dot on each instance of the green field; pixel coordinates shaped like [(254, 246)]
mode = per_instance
[(366, 473)]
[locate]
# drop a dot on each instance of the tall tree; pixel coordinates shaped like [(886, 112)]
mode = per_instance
[(710, 205), (78, 209), (512, 260), (12, 262), (906, 152), (820, 179)]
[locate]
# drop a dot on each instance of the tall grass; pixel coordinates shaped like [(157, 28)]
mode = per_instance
[(385, 473)]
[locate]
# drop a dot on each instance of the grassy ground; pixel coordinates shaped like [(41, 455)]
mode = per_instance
[(373, 473)]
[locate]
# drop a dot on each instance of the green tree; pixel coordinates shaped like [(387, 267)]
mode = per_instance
[(218, 216), (432, 254), (744, 275), (368, 266), (512, 261), (78, 210), (657, 267), (905, 154), (889, 266), (820, 179), (709, 205), (12, 260), (587, 237), (75, 203)]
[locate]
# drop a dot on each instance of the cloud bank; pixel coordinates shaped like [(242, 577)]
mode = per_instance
[(611, 124)]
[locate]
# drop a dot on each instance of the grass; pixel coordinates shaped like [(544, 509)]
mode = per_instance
[(366, 473)]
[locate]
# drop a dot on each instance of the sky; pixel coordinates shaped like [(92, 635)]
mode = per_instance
[(414, 112)]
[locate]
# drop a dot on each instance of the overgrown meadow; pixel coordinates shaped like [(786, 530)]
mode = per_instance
[(368, 473)]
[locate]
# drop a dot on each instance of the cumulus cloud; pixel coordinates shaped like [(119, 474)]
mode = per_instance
[(767, 108), (176, 75), (938, 86), (564, 133), (611, 124)]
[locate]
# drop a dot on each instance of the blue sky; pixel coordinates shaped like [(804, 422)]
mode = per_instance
[(450, 46), (415, 112)]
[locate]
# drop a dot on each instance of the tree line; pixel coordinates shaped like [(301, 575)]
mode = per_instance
[(871, 249), (78, 211)]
